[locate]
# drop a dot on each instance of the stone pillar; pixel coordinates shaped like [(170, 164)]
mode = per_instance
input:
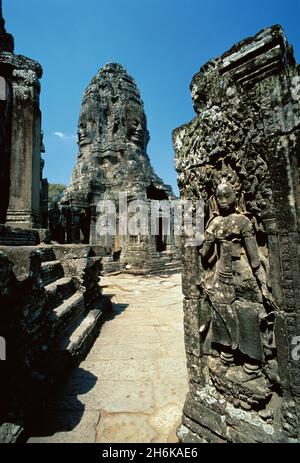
[(44, 202), (22, 130), (240, 156), (5, 136), (95, 239), (25, 165), (6, 45)]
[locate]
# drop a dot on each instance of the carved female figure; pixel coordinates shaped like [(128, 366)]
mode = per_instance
[(235, 281)]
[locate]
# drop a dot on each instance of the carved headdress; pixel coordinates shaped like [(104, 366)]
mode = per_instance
[(226, 176)]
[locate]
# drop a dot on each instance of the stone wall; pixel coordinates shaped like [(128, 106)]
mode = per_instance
[(240, 156), (51, 310)]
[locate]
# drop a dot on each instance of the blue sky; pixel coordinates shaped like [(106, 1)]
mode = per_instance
[(162, 43)]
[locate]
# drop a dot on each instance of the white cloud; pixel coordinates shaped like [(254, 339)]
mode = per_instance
[(64, 136), (59, 134)]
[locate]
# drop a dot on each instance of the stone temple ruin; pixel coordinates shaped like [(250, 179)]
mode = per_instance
[(240, 156), (51, 304), (112, 139)]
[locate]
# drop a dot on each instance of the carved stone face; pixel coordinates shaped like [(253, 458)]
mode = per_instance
[(136, 129), (84, 134), (225, 196)]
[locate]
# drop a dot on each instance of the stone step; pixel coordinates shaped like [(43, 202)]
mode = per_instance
[(158, 257), (80, 335), (159, 267), (168, 265), (59, 291), (134, 248), (110, 267), (173, 263), (162, 260), (11, 236), (159, 264), (165, 271), (154, 265), (51, 271), (65, 313), (47, 254)]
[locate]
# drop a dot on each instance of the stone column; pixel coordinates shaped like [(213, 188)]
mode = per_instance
[(5, 136), (25, 166), (7, 46)]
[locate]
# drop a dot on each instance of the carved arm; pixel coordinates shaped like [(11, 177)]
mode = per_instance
[(208, 245), (258, 271)]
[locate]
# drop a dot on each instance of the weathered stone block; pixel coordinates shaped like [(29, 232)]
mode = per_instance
[(205, 434), (204, 416)]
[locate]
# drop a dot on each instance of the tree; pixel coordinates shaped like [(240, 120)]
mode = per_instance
[(56, 191)]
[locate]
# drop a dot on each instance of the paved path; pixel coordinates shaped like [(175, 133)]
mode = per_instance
[(132, 385)]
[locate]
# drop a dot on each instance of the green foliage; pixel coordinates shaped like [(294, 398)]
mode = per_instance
[(56, 191)]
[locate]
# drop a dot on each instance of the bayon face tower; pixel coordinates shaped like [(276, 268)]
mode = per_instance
[(113, 159)]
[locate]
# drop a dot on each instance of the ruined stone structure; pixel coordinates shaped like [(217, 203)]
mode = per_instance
[(112, 139), (240, 156), (20, 137), (51, 310), (51, 304)]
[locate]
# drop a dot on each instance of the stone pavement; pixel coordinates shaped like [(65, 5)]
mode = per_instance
[(132, 385)]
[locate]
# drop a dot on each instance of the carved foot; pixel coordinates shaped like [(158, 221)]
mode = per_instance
[(227, 358), (238, 386), (252, 369)]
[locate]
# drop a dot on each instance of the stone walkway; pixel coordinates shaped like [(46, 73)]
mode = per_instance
[(132, 385)]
